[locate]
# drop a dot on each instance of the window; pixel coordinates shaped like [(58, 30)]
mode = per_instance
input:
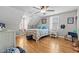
[(54, 23), (24, 23)]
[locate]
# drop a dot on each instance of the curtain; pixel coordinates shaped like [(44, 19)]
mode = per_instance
[(24, 23)]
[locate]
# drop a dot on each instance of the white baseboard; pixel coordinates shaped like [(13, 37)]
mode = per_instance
[(61, 36)]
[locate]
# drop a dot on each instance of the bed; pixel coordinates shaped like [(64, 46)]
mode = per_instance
[(42, 30)]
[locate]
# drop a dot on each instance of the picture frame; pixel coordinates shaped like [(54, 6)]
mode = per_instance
[(44, 21), (70, 20)]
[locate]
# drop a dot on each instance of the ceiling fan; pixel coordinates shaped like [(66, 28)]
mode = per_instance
[(43, 9)]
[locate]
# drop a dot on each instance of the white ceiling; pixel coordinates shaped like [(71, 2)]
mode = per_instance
[(12, 15), (58, 9)]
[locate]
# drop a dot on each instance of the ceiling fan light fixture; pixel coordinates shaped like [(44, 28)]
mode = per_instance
[(43, 10)]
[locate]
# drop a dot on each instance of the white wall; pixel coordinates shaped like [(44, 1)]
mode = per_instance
[(11, 17), (34, 21), (63, 20), (78, 22)]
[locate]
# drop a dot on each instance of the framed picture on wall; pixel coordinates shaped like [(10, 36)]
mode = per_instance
[(70, 20), (44, 21)]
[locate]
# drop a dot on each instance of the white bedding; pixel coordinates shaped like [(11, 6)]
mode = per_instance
[(42, 32), (37, 33)]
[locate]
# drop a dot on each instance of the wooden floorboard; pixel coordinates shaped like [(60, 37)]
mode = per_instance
[(45, 45)]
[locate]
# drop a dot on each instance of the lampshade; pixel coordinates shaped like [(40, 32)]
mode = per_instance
[(2, 26)]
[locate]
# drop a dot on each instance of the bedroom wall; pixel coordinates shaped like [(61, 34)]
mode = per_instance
[(78, 22), (63, 20), (11, 17), (34, 21)]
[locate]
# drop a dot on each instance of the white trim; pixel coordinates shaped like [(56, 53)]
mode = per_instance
[(61, 36)]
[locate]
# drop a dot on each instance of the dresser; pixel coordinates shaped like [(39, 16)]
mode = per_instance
[(7, 40)]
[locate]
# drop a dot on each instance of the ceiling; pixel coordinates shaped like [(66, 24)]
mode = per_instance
[(58, 9)]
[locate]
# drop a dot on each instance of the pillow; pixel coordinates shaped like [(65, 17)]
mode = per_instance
[(42, 26), (39, 26)]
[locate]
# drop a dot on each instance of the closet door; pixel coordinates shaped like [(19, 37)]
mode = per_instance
[(7, 40)]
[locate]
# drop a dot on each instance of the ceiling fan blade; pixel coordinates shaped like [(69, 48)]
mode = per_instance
[(36, 12), (50, 10), (37, 8)]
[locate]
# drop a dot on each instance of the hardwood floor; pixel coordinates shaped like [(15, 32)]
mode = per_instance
[(45, 45)]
